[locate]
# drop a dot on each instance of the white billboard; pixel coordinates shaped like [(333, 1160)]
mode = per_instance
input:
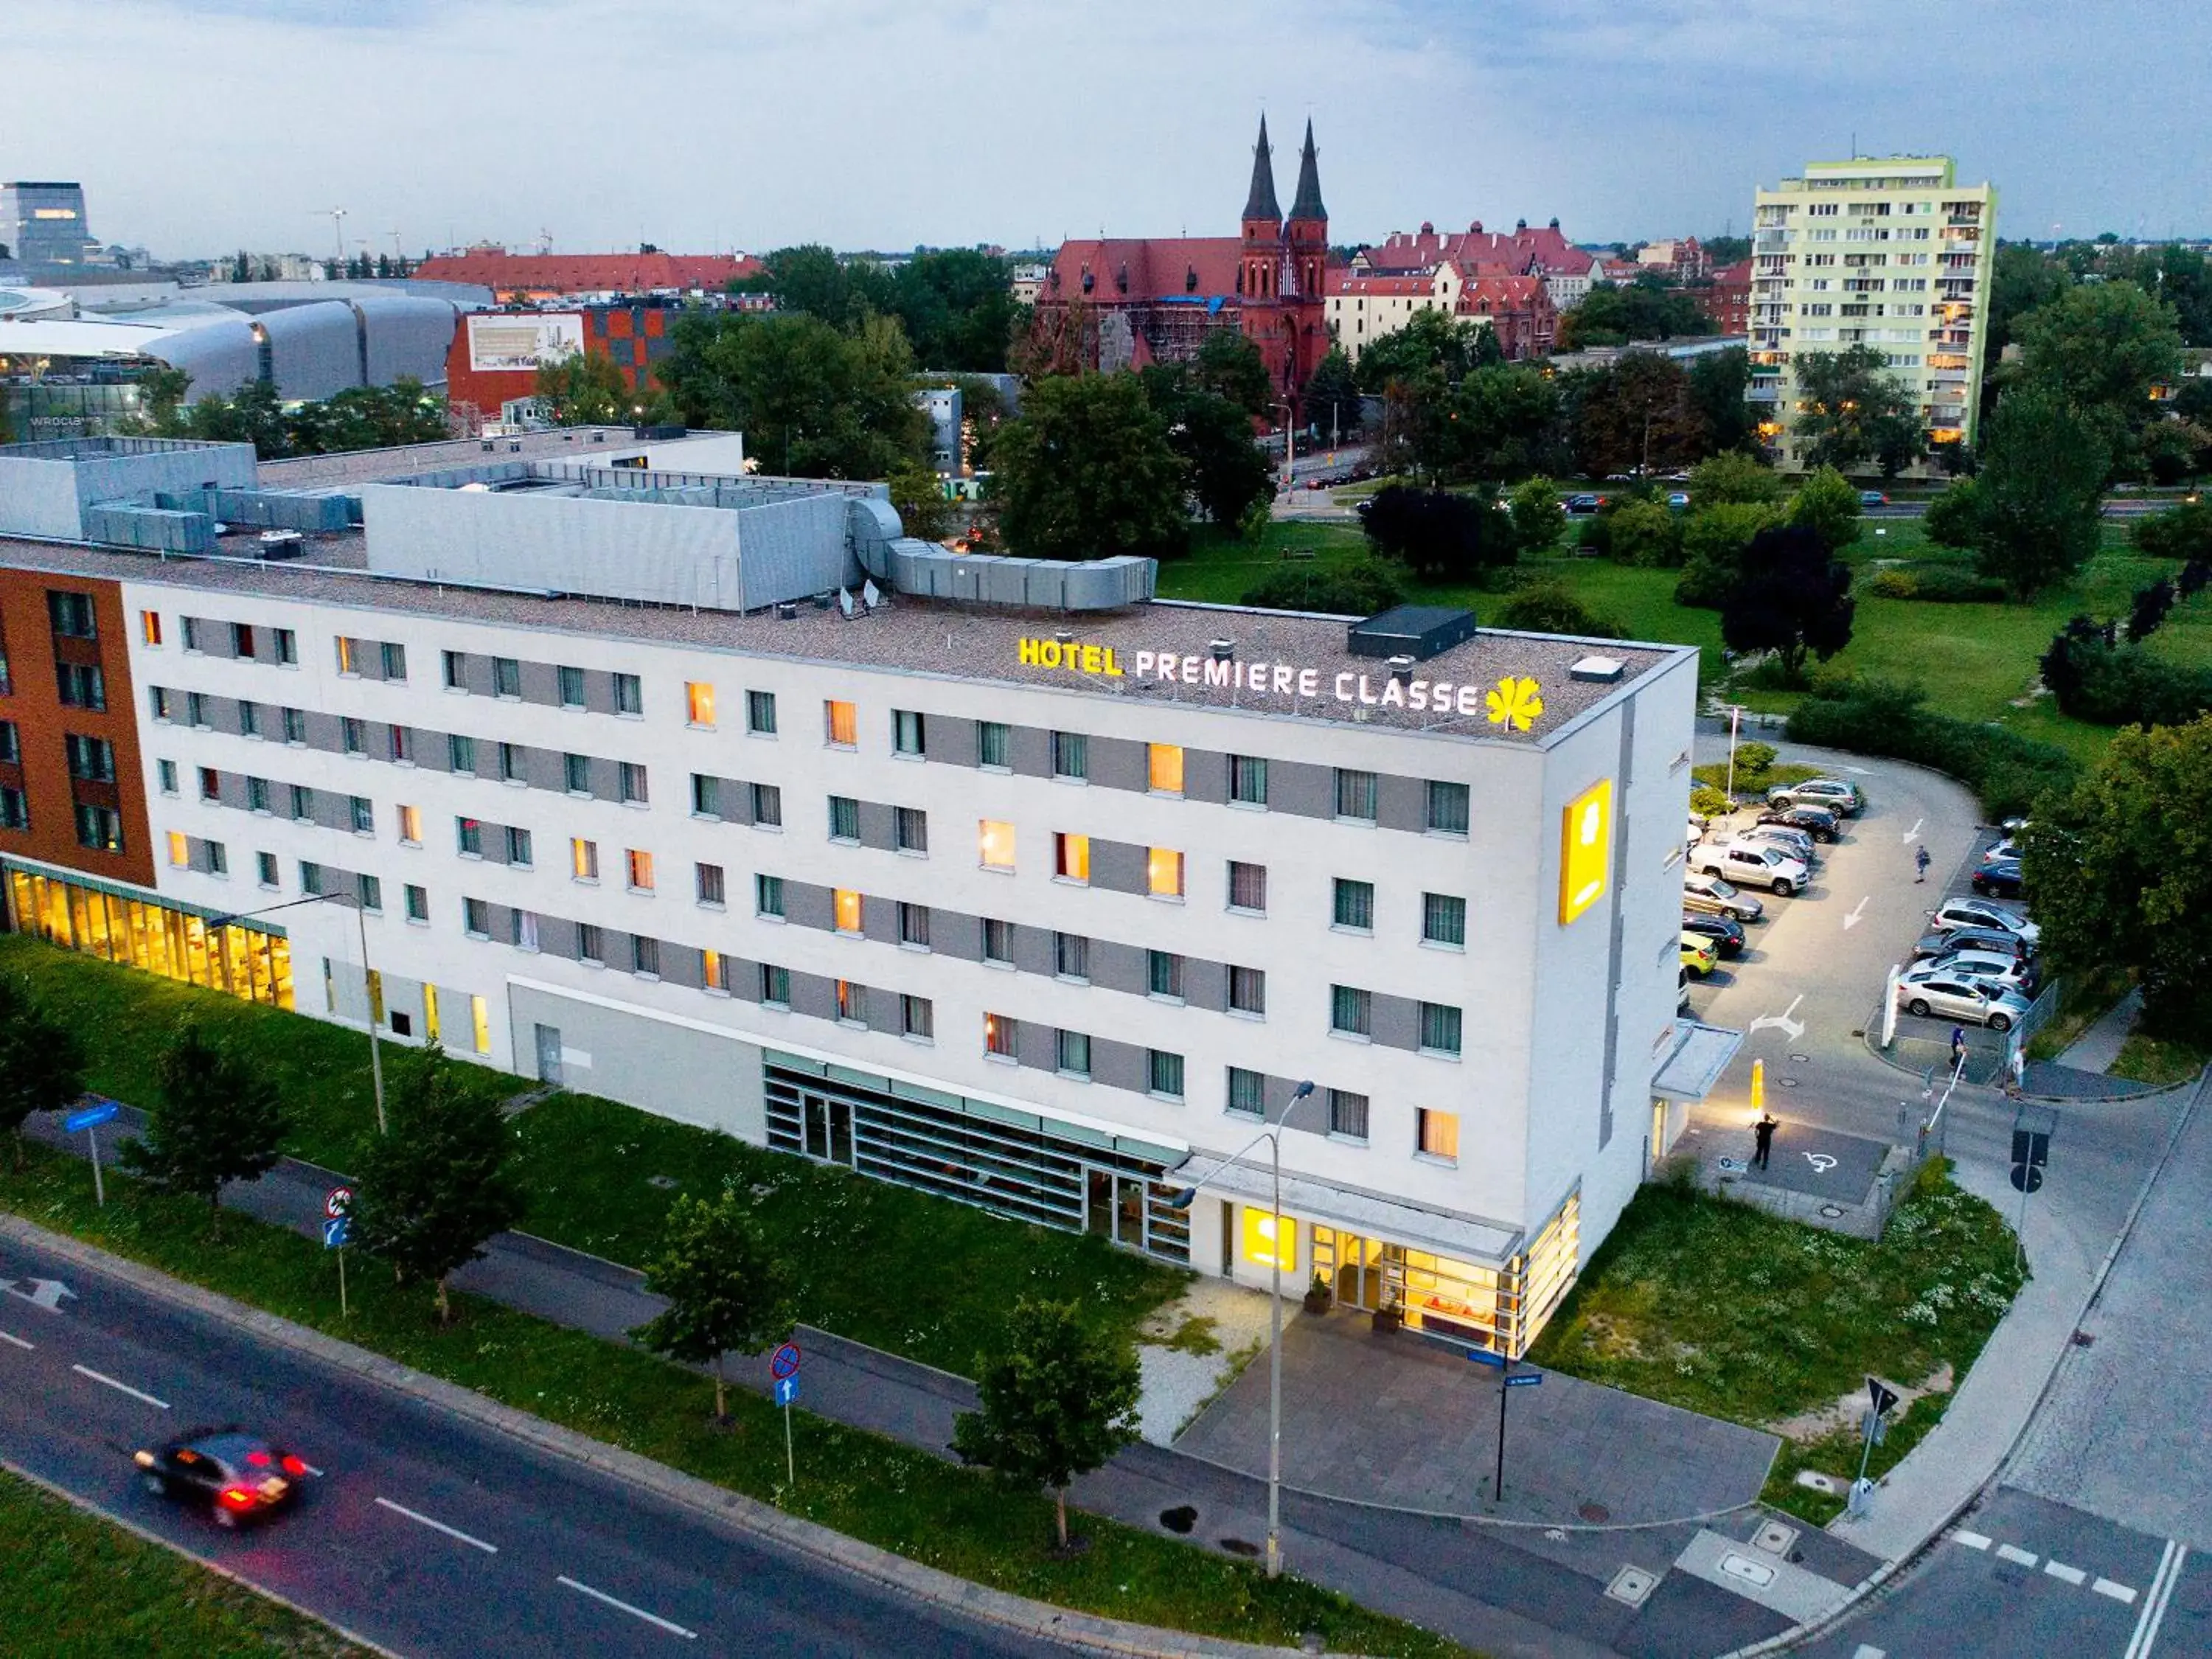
[(499, 342)]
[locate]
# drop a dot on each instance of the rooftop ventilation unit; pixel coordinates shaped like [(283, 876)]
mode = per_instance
[(1223, 649), (1419, 631), (1598, 671)]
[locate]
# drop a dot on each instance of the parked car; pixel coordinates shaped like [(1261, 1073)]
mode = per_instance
[(1709, 895), (1817, 821), (1700, 956), (1726, 934), (1999, 967), (1678, 499), (237, 1476), (1958, 996), (1981, 912), (2007, 849), (1585, 503), (1992, 941), (1872, 498), (1795, 842), (1840, 797), (1752, 865), (2000, 879)]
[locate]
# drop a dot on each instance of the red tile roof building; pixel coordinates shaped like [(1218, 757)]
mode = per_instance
[(531, 276), (1517, 307), (1567, 270), (1727, 301)]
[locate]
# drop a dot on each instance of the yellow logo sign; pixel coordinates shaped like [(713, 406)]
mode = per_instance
[(1076, 659), (1514, 703), (1585, 849), (1263, 1247)]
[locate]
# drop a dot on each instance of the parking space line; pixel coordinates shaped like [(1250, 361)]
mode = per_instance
[(2014, 1552), (10, 1337), (1973, 1541), (2154, 1603), (635, 1612), (2123, 1594), (119, 1388), (2064, 1573), (421, 1519)]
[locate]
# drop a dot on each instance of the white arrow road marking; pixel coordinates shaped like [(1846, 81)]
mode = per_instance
[(422, 1520), (45, 1293), (119, 1388), (1821, 1162), (1913, 834), (1862, 771), (635, 1613), (1852, 920), (1794, 1027)]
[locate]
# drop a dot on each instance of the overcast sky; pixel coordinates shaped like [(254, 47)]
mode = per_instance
[(199, 126)]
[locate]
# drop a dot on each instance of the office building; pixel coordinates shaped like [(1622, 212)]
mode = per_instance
[(42, 226)]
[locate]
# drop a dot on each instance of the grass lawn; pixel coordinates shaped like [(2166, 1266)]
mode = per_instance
[(884, 1264), (2155, 1059), (1724, 1309), (74, 1587), (955, 1519)]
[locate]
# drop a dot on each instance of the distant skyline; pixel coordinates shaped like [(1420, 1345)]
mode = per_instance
[(201, 126)]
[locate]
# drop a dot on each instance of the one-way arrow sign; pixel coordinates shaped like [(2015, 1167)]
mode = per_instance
[(1880, 1395), (45, 1293)]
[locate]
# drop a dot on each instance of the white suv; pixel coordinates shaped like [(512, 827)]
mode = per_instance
[(1750, 864)]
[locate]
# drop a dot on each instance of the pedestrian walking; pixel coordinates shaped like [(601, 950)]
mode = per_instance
[(2015, 1071), (1958, 1046), (1763, 1136), (1920, 862)]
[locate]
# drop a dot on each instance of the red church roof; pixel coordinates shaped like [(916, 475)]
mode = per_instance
[(1126, 270), (1477, 252), (1351, 282), (588, 273)]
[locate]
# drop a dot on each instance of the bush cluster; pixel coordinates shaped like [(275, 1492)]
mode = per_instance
[(2098, 679), (2009, 772), (1936, 585), (1357, 587)]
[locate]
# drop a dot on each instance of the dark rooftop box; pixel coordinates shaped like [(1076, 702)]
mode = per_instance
[(1419, 631)]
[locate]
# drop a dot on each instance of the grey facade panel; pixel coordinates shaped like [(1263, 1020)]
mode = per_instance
[(1118, 866), (1120, 763), (813, 996), (1397, 1021), (543, 768), (557, 937), (1039, 1044), (599, 690), (953, 741), (1029, 750), (954, 934), (1033, 949), (477, 674), (333, 810), (1299, 786), (1116, 967), (323, 731), (883, 1011), (541, 684), (805, 905), (696, 1076), (1205, 777), (1119, 1065), (1402, 803), (1204, 984), (880, 920), (230, 788), (682, 965), (877, 830)]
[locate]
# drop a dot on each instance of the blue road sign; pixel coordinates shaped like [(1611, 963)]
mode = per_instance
[(1484, 1357), (786, 1390), (1524, 1380), (91, 1117), (784, 1362), (336, 1232)]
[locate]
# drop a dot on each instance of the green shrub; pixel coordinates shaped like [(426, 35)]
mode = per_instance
[(1357, 587), (1935, 584), (1713, 543), (2009, 772), (1646, 534), (1596, 535), (1755, 760), (1707, 801), (1895, 583), (1547, 607)]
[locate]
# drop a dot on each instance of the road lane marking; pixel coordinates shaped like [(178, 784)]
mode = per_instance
[(421, 1519), (119, 1388), (1973, 1541), (2014, 1553), (1913, 834), (312, 1469), (635, 1613), (2060, 1570), (10, 1337), (2123, 1594), (1856, 911), (2153, 1607)]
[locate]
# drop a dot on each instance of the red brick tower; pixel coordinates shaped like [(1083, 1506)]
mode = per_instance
[(1307, 233), (1263, 269)]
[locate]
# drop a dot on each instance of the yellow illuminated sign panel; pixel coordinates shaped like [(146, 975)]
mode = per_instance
[(1262, 1247), (1585, 849)]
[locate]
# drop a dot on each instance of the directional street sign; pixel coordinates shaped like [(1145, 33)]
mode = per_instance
[(1881, 1394), (339, 1202), (1484, 1357), (786, 1390), (91, 1117), (784, 1362), (338, 1230), (1524, 1380)]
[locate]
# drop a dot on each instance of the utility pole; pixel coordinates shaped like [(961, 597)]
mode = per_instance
[(338, 233)]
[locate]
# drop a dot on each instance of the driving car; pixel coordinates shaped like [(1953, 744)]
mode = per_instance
[(1726, 935), (1990, 941), (1981, 912), (1678, 499), (1840, 797), (1999, 879), (1752, 864), (1584, 503), (1958, 996), (1698, 955), (1817, 821), (2015, 973), (238, 1476), (1872, 498), (1795, 842), (1709, 895)]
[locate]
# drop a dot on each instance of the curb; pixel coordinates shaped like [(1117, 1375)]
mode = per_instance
[(1087, 1631)]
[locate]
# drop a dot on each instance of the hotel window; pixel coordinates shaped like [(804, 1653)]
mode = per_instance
[(1163, 767), (1351, 1010), (468, 837), (192, 626), (295, 726), (210, 784), (287, 647), (1164, 872), (1355, 796), (456, 671), (994, 745), (518, 846), (844, 818), (11, 742), (1071, 755), (713, 976), (1347, 1114), (1444, 919), (461, 754), (418, 903), (910, 829), (590, 947), (1163, 1074), (913, 924), (645, 956), (852, 1003), (994, 844), (218, 858), (303, 804), (712, 888), (1355, 905), (353, 735), (1248, 780), (411, 826), (1247, 887), (571, 686), (344, 648), (1440, 1029), (1073, 1056), (14, 808), (1071, 957), (92, 759), (699, 703), (82, 685), (775, 985), (394, 655), (180, 851), (845, 906), (1248, 991), (840, 724), (196, 711), (264, 865), (150, 627), (640, 870), (522, 929), (629, 782), (705, 796), (917, 1019), (241, 645), (364, 815), (999, 942), (760, 713), (768, 806), (476, 918), (1436, 1134), (1247, 1092), (369, 892), (507, 677), (907, 737), (768, 895), (1071, 857), (510, 763), (72, 614), (166, 770), (1001, 1036), (1447, 813), (157, 698), (99, 828), (584, 860), (629, 694), (576, 774), (1164, 974)]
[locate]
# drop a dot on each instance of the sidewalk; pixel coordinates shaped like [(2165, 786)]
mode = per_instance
[(2097, 1048)]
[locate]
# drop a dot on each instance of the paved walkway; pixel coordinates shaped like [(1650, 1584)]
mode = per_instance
[(2097, 1048)]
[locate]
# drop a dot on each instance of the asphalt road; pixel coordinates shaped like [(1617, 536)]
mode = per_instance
[(428, 1535)]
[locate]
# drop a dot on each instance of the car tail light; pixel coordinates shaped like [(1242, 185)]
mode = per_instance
[(258, 1458), (293, 1466), (238, 1497)]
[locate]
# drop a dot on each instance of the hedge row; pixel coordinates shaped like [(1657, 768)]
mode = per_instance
[(2009, 772)]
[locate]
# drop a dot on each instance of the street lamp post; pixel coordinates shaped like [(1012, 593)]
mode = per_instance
[(1183, 1201), (367, 979)]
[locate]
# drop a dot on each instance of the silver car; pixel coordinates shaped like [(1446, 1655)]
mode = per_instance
[(1961, 996), (1967, 912), (1836, 795), (1795, 842), (1988, 966)]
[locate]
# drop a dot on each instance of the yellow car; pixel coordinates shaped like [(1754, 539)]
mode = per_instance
[(1698, 955)]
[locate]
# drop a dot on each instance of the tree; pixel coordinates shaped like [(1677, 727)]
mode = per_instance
[(1645, 534), (1212, 435), (1087, 472), (1059, 1401), (1442, 535), (1828, 506), (1230, 366), (216, 1117), (1549, 607), (1645, 308), (1850, 412), (1792, 598), (253, 415), (1719, 380), (1333, 396), (435, 1185), (1714, 541), (584, 388), (920, 501), (2021, 279), (1538, 517), (41, 1061), (2179, 533), (958, 307), (727, 1291), (2121, 868), (1502, 421), (2039, 494), (2102, 345), (811, 280), (1636, 416), (161, 400), (1954, 518), (1734, 478), (1362, 586), (1432, 341)]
